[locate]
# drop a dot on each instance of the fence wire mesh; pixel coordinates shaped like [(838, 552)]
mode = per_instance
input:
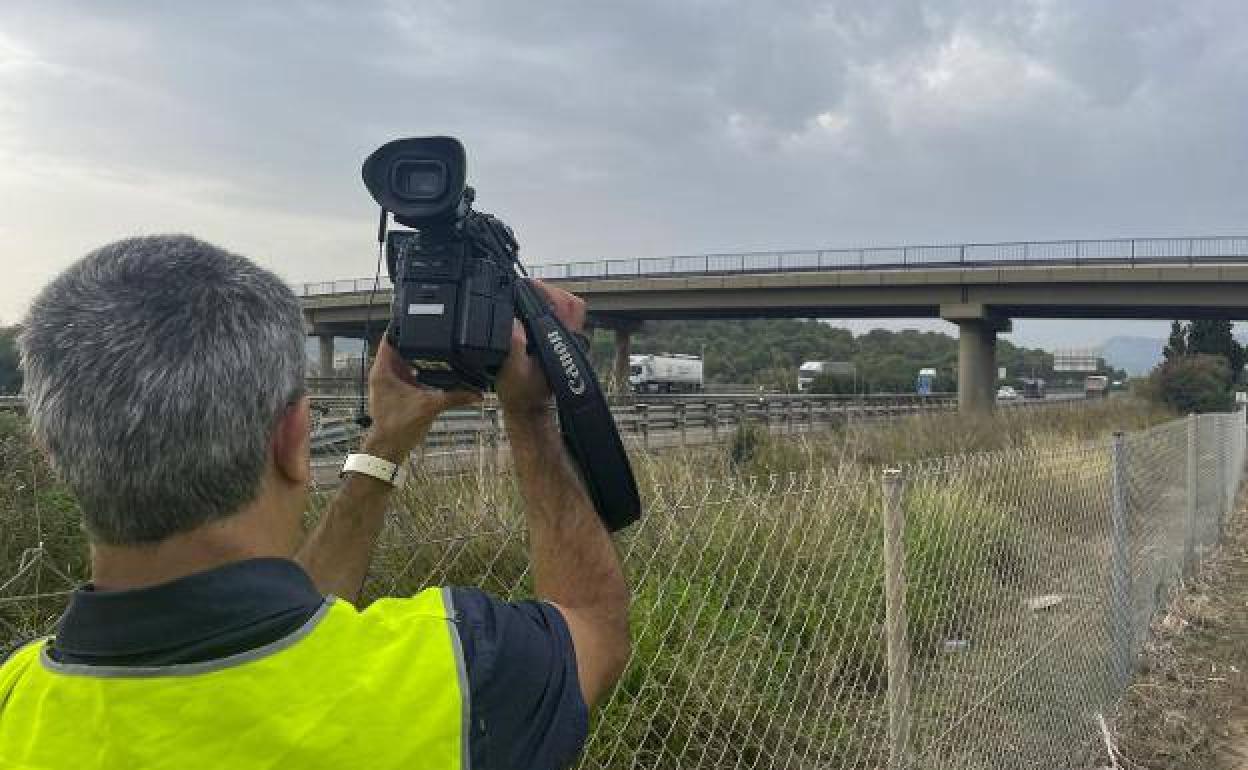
[(761, 633)]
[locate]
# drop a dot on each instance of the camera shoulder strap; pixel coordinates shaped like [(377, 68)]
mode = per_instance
[(585, 420)]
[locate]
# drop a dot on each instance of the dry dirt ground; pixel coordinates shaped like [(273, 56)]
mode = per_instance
[(1188, 707)]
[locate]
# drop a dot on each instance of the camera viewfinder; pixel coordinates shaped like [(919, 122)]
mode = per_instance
[(419, 180)]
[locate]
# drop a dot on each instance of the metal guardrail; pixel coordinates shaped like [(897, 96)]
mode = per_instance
[(349, 385), (330, 400), (697, 409), (651, 424), (645, 419), (1113, 251)]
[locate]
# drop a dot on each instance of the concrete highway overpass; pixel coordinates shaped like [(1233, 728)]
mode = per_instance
[(980, 287)]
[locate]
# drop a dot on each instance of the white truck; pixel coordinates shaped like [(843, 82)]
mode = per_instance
[(664, 373), (809, 370)]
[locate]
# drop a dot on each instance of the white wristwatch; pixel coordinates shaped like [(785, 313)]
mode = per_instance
[(383, 470)]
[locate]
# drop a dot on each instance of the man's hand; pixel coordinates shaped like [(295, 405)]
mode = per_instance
[(522, 387), (402, 409)]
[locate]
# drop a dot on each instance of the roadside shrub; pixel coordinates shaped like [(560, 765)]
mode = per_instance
[(746, 440), (39, 531), (1193, 384)]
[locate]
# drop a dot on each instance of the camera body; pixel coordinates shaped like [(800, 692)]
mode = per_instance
[(453, 273)]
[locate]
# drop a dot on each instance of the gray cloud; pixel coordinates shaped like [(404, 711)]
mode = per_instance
[(614, 129)]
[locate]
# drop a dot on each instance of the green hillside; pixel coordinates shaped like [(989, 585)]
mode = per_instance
[(768, 352)]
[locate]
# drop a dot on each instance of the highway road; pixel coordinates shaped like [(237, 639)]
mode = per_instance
[(473, 439)]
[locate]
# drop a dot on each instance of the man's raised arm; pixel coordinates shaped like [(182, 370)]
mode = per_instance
[(337, 552), (575, 565)]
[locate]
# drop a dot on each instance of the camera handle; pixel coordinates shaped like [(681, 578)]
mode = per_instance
[(585, 420)]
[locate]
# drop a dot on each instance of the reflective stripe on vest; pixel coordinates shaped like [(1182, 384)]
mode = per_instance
[(382, 688)]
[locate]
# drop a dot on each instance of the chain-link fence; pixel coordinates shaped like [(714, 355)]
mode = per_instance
[(977, 611), (777, 624)]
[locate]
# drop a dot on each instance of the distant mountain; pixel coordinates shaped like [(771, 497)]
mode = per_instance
[(1138, 355)]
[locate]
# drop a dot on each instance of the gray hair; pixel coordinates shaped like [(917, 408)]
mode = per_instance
[(155, 371)]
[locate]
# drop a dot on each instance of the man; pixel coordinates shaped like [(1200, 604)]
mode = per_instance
[(165, 382)]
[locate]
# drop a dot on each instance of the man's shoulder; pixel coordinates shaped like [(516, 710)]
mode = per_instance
[(17, 662), (493, 637), (434, 603), (521, 669), (24, 653)]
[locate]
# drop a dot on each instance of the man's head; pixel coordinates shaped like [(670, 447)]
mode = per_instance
[(161, 374)]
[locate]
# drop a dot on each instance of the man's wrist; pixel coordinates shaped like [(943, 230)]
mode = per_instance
[(531, 429), (386, 447), (529, 419), (529, 411)]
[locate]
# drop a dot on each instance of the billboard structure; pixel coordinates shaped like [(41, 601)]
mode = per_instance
[(1076, 359)]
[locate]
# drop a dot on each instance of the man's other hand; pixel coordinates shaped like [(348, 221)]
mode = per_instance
[(402, 409), (522, 387)]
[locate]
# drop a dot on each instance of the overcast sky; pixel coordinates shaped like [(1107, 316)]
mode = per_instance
[(612, 129)]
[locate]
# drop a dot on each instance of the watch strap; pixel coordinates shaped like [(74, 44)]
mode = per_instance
[(383, 470)]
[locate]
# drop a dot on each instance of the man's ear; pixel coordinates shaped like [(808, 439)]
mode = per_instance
[(292, 442)]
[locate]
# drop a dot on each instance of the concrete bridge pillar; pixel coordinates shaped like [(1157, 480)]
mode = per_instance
[(977, 361), (371, 345), (977, 355), (623, 347), (326, 358), (623, 328)]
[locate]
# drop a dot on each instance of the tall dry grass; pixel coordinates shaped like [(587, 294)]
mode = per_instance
[(757, 575)]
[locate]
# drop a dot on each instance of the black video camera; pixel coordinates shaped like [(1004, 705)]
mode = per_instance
[(458, 284), (454, 275)]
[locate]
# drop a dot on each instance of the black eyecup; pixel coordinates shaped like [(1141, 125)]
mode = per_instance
[(378, 174), (585, 420)]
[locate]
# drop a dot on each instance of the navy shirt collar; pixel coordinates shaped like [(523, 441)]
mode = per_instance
[(207, 614)]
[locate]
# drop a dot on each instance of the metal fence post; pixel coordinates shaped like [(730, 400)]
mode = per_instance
[(1240, 432), (1120, 567), (895, 620), (643, 419), (491, 415), (712, 416), (1193, 493), (1219, 433), (681, 419)]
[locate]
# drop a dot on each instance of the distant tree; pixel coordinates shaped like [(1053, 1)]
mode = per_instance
[(778, 378), (1194, 383), (10, 374), (1176, 346), (1215, 338)]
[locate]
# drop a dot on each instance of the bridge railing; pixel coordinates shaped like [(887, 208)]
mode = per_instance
[(343, 286), (1112, 251)]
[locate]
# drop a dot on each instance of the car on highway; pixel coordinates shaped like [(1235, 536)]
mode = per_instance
[(1096, 386), (1006, 393)]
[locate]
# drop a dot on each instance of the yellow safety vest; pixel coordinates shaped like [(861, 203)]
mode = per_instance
[(378, 689)]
